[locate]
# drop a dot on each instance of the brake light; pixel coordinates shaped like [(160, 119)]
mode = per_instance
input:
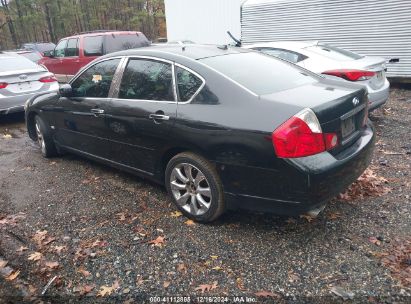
[(351, 75), (301, 136), (3, 85), (48, 79)]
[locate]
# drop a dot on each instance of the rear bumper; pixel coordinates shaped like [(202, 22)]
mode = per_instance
[(378, 97), (12, 104), (305, 184)]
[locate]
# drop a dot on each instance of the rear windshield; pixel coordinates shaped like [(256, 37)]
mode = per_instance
[(120, 42), (32, 56), (261, 74), (334, 52), (16, 63)]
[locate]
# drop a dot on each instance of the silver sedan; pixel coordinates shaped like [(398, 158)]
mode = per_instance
[(21, 79), (334, 62)]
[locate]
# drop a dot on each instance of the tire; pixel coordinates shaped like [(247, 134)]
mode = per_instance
[(195, 187), (44, 138)]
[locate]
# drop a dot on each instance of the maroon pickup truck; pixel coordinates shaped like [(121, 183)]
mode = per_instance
[(72, 53)]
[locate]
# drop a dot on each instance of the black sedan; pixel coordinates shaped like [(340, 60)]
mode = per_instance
[(221, 127)]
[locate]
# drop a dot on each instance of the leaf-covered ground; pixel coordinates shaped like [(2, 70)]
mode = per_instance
[(73, 230)]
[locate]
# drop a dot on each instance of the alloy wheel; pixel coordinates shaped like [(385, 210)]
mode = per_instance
[(190, 189), (40, 138)]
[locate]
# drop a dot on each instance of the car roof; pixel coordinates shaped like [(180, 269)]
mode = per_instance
[(190, 51), (102, 33), (296, 45)]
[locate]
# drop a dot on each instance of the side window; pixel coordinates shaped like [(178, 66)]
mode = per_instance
[(93, 46), (60, 49), (96, 80), (147, 80), (72, 48), (284, 54), (187, 83)]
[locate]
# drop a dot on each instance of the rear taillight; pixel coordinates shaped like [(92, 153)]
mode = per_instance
[(3, 85), (48, 79), (351, 75), (301, 136)]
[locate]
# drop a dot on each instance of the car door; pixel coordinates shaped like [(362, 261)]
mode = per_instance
[(80, 121), (71, 61), (142, 114), (54, 63)]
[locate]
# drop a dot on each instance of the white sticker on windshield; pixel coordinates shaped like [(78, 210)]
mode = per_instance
[(97, 78)]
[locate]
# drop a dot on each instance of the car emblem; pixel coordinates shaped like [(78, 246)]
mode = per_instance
[(355, 101), (23, 77)]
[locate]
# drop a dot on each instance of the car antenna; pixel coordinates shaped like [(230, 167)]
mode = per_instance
[(237, 42)]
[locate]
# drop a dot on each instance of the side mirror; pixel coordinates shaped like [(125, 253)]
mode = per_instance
[(49, 54), (66, 90)]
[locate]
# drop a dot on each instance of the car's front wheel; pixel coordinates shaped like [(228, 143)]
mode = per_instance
[(47, 146), (195, 187)]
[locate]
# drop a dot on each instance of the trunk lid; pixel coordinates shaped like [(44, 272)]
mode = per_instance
[(23, 81), (340, 107)]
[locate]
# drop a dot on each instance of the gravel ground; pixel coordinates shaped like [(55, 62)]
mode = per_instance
[(91, 227)]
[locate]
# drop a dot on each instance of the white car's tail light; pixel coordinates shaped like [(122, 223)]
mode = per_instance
[(48, 79), (3, 85), (301, 136), (351, 75)]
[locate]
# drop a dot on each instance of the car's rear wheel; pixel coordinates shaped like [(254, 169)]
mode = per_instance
[(195, 187), (44, 139)]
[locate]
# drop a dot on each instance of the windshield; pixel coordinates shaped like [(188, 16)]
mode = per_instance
[(334, 52), (261, 74), (9, 63)]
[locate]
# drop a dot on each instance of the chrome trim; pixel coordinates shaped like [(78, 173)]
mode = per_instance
[(199, 89), (353, 112), (118, 75)]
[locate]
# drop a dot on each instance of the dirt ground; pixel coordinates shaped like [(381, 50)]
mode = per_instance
[(106, 236)]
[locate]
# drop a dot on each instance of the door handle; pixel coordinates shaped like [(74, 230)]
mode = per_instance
[(158, 117), (97, 112)]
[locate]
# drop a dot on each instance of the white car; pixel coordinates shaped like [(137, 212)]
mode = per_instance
[(329, 60)]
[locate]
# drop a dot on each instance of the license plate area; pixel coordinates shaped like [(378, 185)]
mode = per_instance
[(347, 127)]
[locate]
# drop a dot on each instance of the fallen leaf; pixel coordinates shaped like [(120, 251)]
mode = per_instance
[(121, 216), (266, 294), (3, 263), (307, 217), (51, 265), (182, 268), (374, 240), (189, 223), (217, 268), (105, 291), (39, 236), (35, 256), (339, 291), (240, 284), (83, 272), (59, 249), (176, 214), (207, 287), (22, 248), (159, 241), (166, 284), (334, 215), (87, 289), (214, 257), (7, 136), (13, 275)]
